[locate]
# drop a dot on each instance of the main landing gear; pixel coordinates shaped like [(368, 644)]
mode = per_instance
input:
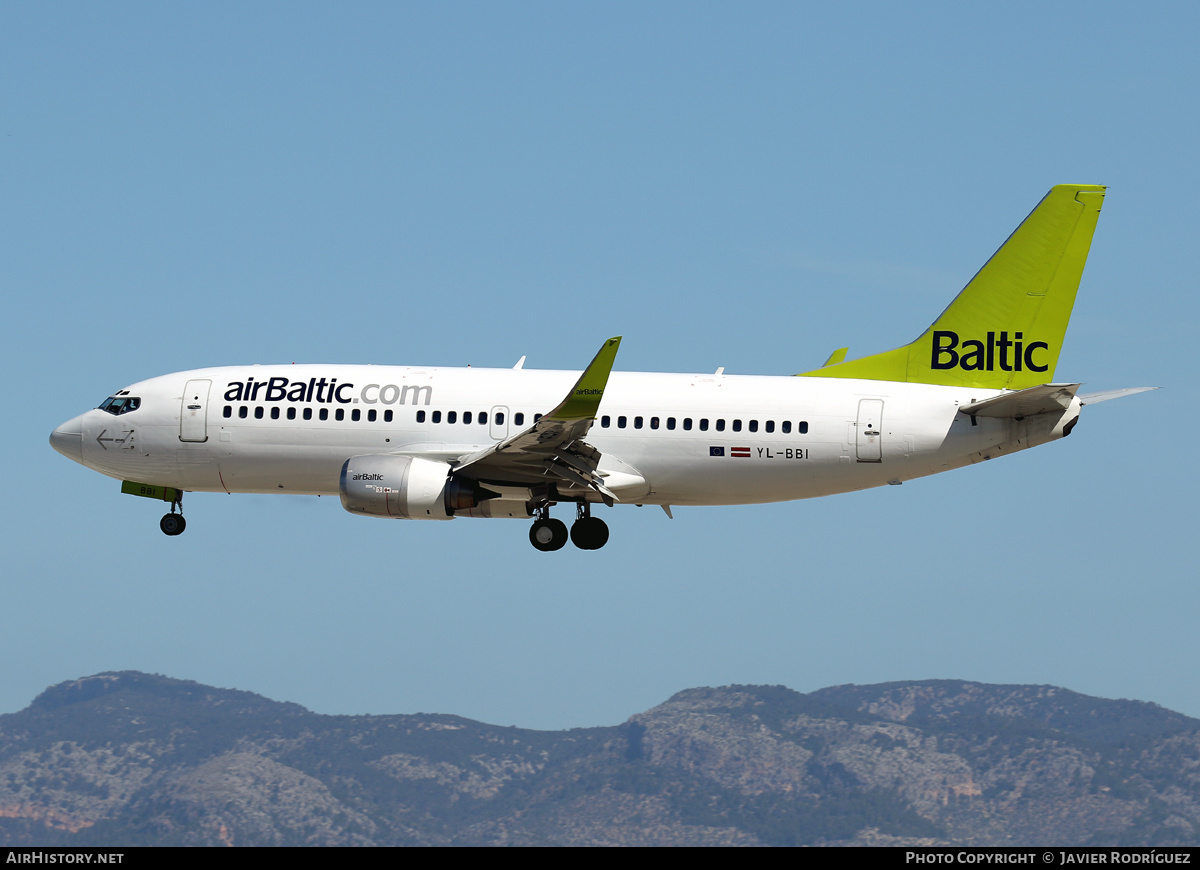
[(173, 523), (546, 534)]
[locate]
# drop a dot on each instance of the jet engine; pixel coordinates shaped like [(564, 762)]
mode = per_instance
[(406, 487)]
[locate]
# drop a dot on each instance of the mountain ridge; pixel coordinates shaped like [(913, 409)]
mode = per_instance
[(127, 758)]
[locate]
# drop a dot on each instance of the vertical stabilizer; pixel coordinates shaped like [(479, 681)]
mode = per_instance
[(1005, 329)]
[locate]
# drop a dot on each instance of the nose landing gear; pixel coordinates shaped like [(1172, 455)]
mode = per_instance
[(173, 524)]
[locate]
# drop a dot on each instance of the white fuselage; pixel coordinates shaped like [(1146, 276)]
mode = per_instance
[(694, 439)]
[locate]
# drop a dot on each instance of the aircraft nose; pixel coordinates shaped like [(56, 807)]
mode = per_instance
[(67, 439)]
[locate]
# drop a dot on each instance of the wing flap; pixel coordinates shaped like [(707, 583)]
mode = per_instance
[(552, 449)]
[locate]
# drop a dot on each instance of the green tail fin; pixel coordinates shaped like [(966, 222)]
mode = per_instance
[(1006, 328)]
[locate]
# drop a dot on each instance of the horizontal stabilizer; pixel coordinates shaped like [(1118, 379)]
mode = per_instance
[(1094, 398), (1046, 399)]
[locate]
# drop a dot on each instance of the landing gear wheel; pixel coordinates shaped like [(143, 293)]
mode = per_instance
[(548, 535), (172, 524), (589, 533)]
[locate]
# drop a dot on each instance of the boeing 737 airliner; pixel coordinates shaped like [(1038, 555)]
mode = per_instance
[(437, 443)]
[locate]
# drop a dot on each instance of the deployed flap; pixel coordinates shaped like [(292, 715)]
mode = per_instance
[(1094, 398), (552, 449), (1046, 399)]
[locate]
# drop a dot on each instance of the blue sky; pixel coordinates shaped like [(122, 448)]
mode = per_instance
[(748, 186)]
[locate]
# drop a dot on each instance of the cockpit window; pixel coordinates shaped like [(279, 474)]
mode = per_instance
[(116, 405)]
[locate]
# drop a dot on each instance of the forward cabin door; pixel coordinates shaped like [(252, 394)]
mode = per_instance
[(869, 430), (193, 415)]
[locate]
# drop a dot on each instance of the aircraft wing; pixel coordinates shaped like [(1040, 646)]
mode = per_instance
[(552, 450)]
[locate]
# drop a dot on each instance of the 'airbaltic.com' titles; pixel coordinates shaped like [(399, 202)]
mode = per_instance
[(438, 443)]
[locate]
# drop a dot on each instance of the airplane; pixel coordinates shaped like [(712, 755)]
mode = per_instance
[(438, 443)]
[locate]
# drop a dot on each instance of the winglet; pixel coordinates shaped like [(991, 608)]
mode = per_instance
[(584, 399)]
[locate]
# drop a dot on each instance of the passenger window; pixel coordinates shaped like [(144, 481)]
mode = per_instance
[(721, 425), (228, 412), (482, 418), (258, 413), (420, 416), (370, 415), (605, 421), (653, 422), (242, 412), (753, 425), (802, 427), (787, 426), (339, 414), (637, 422), (703, 424), (324, 414), (437, 416), (737, 425), (499, 418), (274, 412), (387, 415), (670, 422), (687, 424), (452, 416), (621, 422), (356, 415), (466, 416), (770, 425), (308, 413), (537, 417), (292, 413), (519, 419)]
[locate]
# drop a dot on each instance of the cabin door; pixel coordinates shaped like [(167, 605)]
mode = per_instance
[(869, 430), (193, 415)]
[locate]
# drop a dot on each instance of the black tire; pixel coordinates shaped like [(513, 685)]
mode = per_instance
[(589, 533), (172, 524), (548, 535)]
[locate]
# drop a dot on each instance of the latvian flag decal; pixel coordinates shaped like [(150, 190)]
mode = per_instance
[(743, 452)]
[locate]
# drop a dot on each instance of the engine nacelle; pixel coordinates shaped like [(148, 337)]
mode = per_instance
[(401, 487)]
